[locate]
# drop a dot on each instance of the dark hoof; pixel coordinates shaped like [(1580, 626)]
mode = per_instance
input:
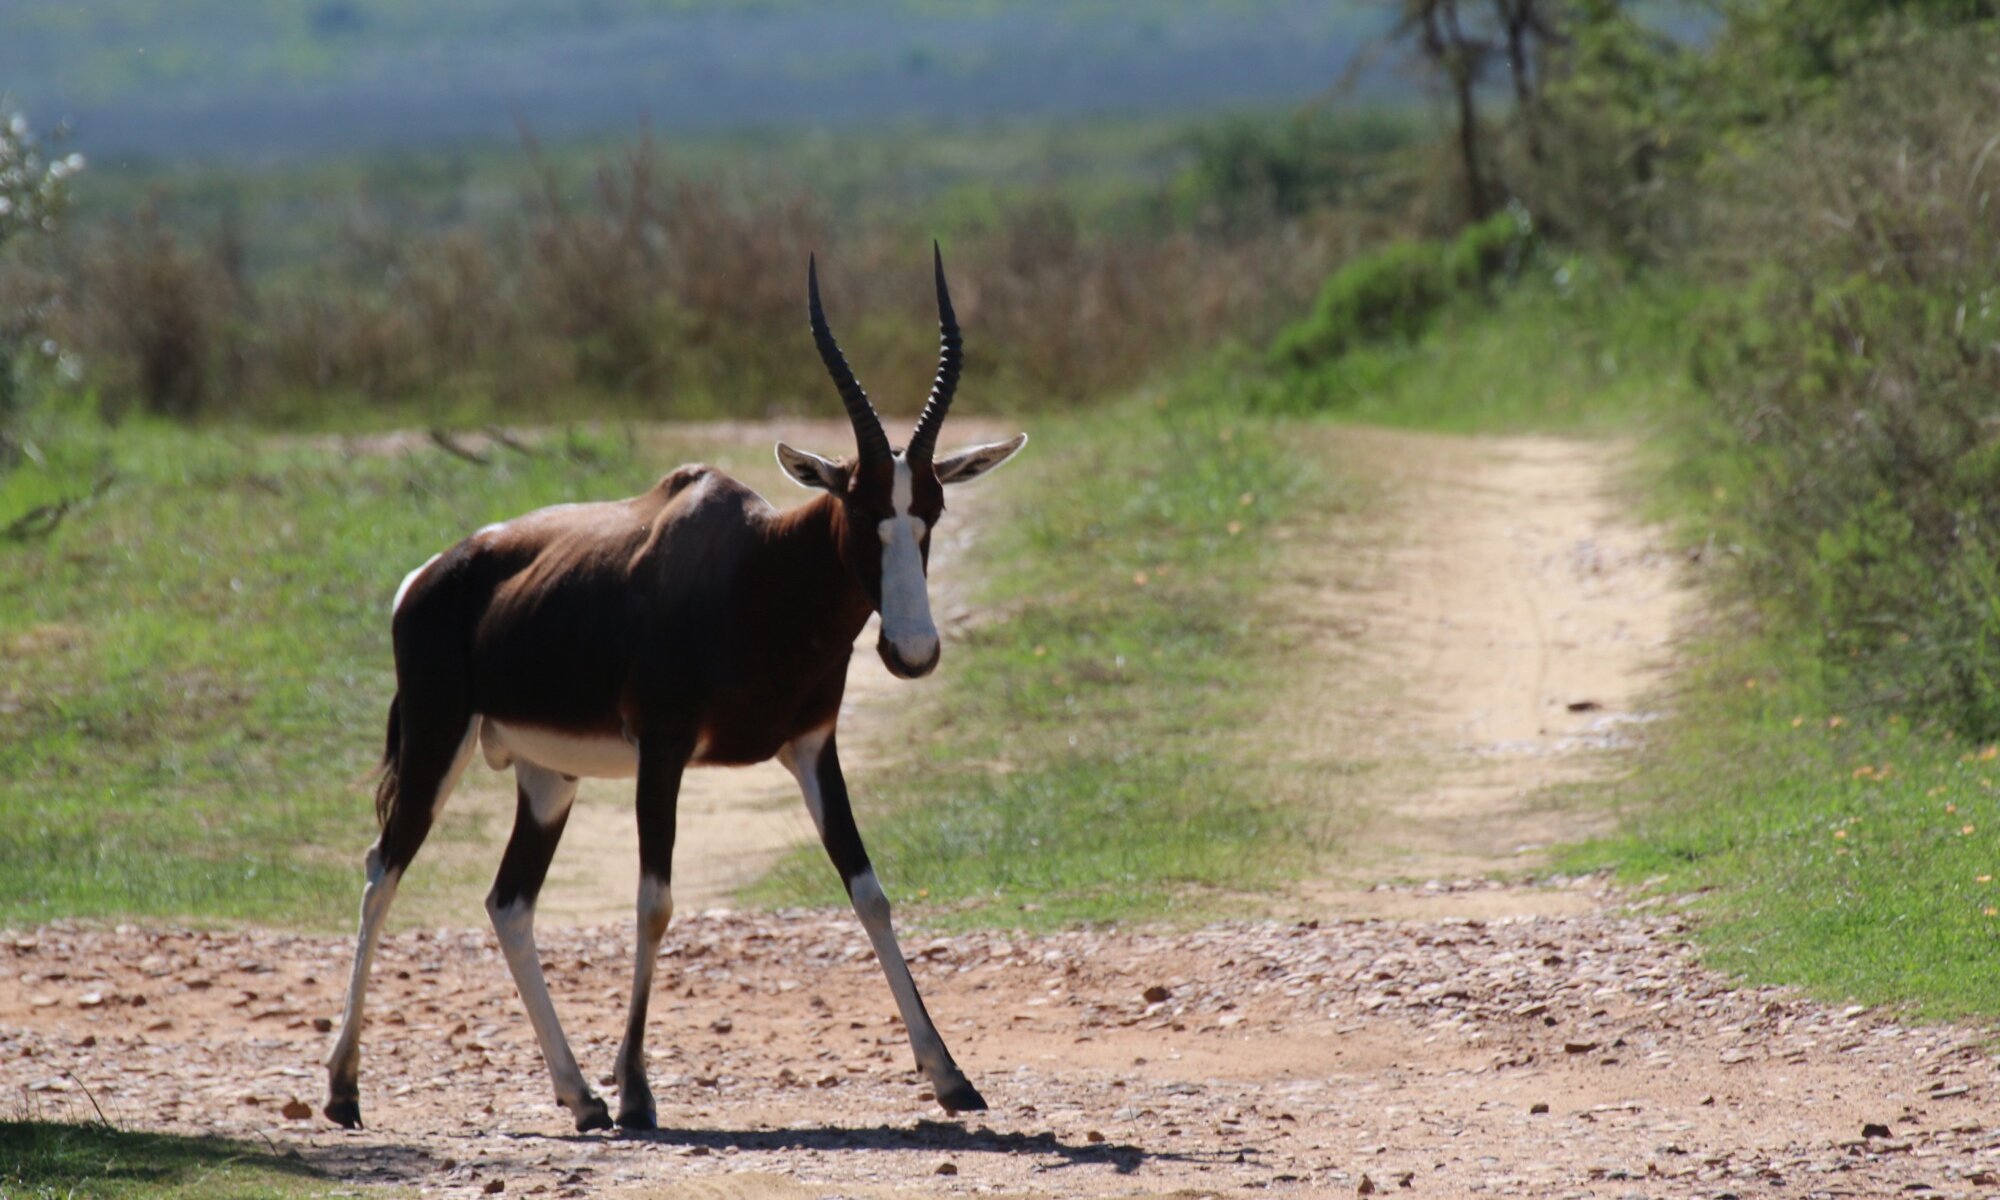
[(594, 1116), (957, 1095), (344, 1113), (640, 1121)]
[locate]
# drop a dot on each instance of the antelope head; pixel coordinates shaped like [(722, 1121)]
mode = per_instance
[(897, 495)]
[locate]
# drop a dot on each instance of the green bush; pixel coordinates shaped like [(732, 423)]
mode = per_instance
[(1569, 345), (1248, 169), (1857, 381), (1393, 294)]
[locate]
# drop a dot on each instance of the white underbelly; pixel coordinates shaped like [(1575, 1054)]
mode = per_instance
[(585, 756)]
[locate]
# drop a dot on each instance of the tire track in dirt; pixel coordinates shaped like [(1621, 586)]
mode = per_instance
[(1486, 1041), (1494, 628)]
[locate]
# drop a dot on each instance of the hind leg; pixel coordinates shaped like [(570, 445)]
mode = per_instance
[(427, 767), (540, 811), (661, 763)]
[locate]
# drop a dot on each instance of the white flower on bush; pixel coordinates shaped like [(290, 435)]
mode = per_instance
[(34, 186)]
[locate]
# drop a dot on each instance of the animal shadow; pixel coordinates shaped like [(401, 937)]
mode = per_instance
[(941, 1136)]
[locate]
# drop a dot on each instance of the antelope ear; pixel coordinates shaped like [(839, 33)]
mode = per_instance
[(975, 461), (810, 470)]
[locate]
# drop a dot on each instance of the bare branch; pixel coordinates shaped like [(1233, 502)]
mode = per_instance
[(444, 441)]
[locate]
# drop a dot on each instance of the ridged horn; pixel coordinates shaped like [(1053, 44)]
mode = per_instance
[(869, 437), (951, 357)]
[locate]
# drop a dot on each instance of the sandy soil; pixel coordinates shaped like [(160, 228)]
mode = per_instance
[(1493, 627), (1428, 1025)]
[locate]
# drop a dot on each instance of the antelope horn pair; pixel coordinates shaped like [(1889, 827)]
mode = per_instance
[(869, 436)]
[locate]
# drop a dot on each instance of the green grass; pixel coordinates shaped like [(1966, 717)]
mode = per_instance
[(1562, 349), (1850, 854), (194, 667), (42, 1160), (1093, 755)]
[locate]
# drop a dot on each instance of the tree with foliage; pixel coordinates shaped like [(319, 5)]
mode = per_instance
[(1459, 43)]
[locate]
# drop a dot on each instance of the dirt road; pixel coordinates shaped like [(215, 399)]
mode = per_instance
[(1416, 1028), (1491, 628)]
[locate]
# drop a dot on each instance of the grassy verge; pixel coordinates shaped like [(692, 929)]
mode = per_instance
[(1561, 349), (1089, 758), (194, 666), (51, 1161), (1851, 854)]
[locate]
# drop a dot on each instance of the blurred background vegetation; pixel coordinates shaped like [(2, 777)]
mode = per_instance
[(1758, 233), (349, 211)]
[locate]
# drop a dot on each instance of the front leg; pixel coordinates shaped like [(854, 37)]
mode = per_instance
[(813, 761), (662, 761)]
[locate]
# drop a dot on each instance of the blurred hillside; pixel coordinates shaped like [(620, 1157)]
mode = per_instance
[(254, 80)]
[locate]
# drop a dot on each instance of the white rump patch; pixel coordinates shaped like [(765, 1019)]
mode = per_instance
[(396, 605)]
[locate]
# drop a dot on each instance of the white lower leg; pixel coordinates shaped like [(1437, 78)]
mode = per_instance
[(872, 906), (515, 924), (344, 1063), (656, 909), (803, 759)]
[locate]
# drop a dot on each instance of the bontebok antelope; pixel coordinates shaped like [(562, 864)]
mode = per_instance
[(693, 624)]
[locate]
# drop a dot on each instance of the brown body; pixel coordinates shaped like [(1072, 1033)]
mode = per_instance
[(695, 604)]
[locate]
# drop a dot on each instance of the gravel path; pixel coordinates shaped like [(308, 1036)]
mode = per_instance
[(1529, 1056)]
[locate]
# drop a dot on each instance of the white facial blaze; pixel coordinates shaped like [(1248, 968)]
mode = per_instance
[(906, 602)]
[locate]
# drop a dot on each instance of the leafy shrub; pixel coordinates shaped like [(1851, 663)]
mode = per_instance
[(1394, 293), (1858, 380), (169, 313), (1604, 158), (1248, 169), (640, 290), (1637, 104)]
